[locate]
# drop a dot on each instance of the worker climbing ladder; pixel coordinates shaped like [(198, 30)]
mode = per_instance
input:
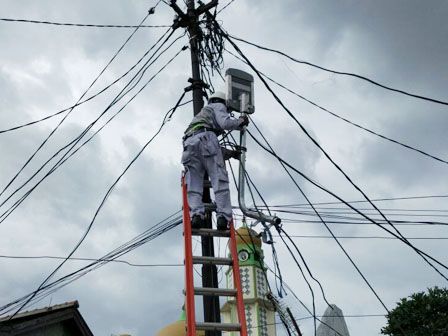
[(191, 291), (239, 98)]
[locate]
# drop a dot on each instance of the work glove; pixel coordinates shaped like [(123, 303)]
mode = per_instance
[(245, 120)]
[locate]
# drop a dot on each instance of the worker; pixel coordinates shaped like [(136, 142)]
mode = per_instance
[(202, 153)]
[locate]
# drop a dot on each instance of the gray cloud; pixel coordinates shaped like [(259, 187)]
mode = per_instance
[(45, 68)]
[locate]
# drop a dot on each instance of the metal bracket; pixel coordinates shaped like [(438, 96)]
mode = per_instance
[(196, 84), (189, 19), (258, 215)]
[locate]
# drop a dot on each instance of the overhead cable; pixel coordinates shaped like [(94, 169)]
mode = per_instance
[(227, 5), (353, 208), (76, 140), (150, 12), (71, 110), (283, 164), (406, 198), (93, 96), (166, 119), (313, 140), (82, 24), (155, 231), (343, 73), (88, 259), (346, 120), (249, 182), (305, 307)]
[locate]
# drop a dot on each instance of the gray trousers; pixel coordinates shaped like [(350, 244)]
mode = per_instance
[(203, 154)]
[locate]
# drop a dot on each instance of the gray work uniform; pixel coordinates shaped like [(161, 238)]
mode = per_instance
[(202, 153)]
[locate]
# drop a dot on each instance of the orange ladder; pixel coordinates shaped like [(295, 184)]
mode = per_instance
[(191, 291)]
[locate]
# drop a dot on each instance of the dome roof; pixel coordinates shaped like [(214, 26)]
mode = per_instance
[(176, 329), (246, 236)]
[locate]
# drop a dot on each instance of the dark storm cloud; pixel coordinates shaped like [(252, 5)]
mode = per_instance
[(44, 69)]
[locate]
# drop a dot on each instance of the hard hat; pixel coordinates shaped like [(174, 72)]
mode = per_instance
[(218, 95)]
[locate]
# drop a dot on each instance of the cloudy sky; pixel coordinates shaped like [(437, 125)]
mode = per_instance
[(46, 68)]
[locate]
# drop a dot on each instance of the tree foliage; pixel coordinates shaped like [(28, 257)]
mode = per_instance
[(423, 314)]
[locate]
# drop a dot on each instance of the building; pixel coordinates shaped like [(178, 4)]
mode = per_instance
[(58, 320), (177, 328), (260, 312), (333, 323)]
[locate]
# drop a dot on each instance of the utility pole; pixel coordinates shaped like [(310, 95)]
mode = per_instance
[(190, 21)]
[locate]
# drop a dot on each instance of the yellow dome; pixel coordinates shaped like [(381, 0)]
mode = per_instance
[(177, 329), (246, 236)]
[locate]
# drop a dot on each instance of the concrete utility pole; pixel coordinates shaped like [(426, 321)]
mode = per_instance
[(190, 21)]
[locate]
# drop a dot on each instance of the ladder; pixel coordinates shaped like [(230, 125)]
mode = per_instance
[(190, 291)]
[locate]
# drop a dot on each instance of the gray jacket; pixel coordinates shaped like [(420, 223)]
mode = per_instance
[(214, 116)]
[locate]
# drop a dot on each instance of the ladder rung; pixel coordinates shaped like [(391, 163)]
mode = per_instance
[(210, 233), (212, 261), (214, 291), (218, 326)]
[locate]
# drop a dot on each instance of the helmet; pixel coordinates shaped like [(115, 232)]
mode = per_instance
[(218, 96)]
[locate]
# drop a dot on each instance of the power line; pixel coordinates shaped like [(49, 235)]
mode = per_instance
[(339, 214), (150, 12), (305, 307), (423, 255), (74, 142), (81, 24), (155, 231), (91, 97), (341, 200), (374, 200), (283, 164), (349, 221), (371, 81), (166, 119), (365, 237), (297, 206), (227, 5), (71, 110), (280, 230), (89, 259), (348, 121)]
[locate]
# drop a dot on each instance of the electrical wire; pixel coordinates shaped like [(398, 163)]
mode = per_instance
[(228, 4), (166, 119), (93, 96), (82, 24), (73, 143), (280, 230), (277, 267), (305, 307), (365, 237), (71, 110), (419, 252), (160, 228), (371, 81), (349, 221), (379, 200), (346, 120), (350, 206), (150, 12), (323, 222), (89, 259)]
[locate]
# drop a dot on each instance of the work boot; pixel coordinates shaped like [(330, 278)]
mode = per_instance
[(221, 223), (197, 222)]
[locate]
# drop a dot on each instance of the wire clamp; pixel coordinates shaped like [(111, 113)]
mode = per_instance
[(196, 84)]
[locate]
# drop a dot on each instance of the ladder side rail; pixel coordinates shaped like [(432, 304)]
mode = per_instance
[(189, 277), (237, 282)]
